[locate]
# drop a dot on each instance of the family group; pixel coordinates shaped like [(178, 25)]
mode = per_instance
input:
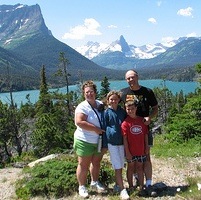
[(122, 127)]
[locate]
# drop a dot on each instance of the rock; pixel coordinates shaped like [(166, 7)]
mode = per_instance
[(32, 164)]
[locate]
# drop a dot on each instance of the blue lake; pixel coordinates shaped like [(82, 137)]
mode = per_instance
[(174, 87)]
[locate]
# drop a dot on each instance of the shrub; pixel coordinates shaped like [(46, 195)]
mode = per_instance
[(56, 178)]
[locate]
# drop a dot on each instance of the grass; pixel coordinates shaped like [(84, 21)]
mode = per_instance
[(163, 148)]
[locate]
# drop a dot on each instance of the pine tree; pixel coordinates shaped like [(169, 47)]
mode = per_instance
[(64, 62), (105, 88), (44, 103), (186, 124), (54, 127)]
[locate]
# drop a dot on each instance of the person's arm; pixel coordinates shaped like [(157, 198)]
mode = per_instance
[(152, 114), (81, 121), (147, 148), (127, 151)]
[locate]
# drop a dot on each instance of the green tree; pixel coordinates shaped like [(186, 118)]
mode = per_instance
[(44, 104), (198, 69), (53, 127), (105, 88), (10, 131), (165, 100), (5, 132), (63, 71), (186, 125)]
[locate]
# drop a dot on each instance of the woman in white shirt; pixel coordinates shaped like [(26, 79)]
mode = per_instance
[(88, 123)]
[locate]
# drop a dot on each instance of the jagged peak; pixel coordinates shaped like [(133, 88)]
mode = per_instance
[(26, 20), (124, 45), (9, 8)]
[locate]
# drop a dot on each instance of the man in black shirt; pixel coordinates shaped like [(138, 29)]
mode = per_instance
[(147, 108)]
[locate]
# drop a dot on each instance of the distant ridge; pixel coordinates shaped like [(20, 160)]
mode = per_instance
[(147, 51)]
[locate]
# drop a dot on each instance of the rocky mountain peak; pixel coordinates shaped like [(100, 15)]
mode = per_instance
[(20, 21), (124, 45)]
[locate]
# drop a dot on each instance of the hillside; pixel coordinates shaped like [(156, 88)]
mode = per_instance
[(24, 33), (15, 68), (170, 172), (27, 44)]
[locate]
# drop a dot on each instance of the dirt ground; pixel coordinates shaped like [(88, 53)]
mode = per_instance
[(171, 172)]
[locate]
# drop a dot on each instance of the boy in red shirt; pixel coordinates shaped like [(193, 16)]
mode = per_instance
[(135, 134)]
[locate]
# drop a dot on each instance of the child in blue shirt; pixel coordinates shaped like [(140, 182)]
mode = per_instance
[(114, 116)]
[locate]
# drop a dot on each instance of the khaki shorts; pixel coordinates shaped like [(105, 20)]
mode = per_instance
[(83, 148)]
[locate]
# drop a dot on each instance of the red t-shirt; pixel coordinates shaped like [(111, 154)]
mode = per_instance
[(135, 130)]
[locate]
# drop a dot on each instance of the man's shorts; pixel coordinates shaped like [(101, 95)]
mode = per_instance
[(83, 148)]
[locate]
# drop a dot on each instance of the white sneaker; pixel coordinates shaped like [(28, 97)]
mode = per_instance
[(83, 191), (124, 194), (97, 186)]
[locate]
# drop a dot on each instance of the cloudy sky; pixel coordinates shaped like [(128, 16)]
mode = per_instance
[(75, 22)]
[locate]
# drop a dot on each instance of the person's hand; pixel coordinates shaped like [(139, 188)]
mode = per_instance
[(147, 120), (129, 157), (104, 150), (147, 150), (99, 131)]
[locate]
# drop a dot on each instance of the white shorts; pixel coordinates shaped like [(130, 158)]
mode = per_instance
[(117, 156)]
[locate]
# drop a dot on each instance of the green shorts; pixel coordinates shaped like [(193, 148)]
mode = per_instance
[(83, 148)]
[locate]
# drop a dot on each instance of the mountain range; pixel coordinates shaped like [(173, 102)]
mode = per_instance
[(119, 54), (147, 51), (26, 44)]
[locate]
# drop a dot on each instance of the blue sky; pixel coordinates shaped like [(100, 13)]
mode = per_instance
[(75, 22)]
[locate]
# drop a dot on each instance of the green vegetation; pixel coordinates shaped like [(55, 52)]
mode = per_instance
[(105, 88), (56, 178), (163, 147), (33, 131)]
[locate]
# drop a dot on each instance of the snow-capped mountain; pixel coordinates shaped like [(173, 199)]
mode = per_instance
[(93, 49)]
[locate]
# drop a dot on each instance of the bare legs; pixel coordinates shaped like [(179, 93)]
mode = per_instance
[(83, 167), (138, 167), (95, 167), (129, 173), (148, 169), (118, 178)]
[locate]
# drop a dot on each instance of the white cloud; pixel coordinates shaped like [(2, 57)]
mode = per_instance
[(79, 32), (112, 26), (152, 20), (187, 12)]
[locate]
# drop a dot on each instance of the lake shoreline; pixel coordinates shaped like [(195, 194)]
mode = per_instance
[(175, 87)]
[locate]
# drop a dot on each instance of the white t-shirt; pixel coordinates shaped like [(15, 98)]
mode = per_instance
[(82, 134)]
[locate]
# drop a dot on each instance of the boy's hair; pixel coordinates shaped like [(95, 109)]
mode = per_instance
[(131, 103), (89, 83), (113, 92)]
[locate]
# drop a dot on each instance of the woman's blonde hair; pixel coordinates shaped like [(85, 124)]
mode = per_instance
[(89, 83)]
